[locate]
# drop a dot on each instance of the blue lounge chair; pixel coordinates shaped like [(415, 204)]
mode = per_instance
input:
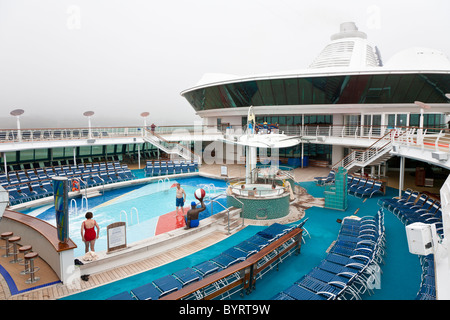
[(146, 292), (125, 295), (275, 231), (167, 284), (259, 241), (356, 186), (324, 180), (370, 191), (163, 170), (248, 247), (295, 292), (206, 268), (187, 276), (236, 253), (224, 260)]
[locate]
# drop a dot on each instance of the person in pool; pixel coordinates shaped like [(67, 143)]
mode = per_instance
[(180, 198), (88, 234), (192, 213)]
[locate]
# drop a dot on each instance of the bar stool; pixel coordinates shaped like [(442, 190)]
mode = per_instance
[(14, 240), (25, 250), (5, 236), (30, 256)]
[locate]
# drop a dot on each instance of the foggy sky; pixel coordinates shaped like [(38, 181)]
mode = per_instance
[(119, 58)]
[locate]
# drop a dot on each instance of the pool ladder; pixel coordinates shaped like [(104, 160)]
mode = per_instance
[(73, 209), (131, 215)]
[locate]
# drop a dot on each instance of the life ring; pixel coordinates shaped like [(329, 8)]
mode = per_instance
[(75, 185)]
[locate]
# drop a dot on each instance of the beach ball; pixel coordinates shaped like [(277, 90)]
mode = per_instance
[(199, 194)]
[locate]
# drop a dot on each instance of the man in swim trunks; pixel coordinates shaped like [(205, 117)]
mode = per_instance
[(192, 213), (180, 197)]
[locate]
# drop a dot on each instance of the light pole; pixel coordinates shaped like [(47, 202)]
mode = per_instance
[(89, 114), (17, 113), (145, 115)]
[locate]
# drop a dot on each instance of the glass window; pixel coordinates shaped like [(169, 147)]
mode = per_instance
[(11, 156), (26, 155), (85, 151), (414, 120), (379, 88), (41, 154), (279, 92)]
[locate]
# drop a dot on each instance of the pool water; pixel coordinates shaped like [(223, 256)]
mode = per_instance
[(400, 274), (140, 206)]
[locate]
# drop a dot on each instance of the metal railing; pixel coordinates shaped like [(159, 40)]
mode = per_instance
[(436, 139)]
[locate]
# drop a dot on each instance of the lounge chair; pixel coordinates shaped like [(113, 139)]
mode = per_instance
[(275, 231), (187, 276), (125, 295), (324, 180), (146, 292), (206, 268), (224, 260), (167, 284)]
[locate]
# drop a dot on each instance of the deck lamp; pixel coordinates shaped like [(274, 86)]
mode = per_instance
[(145, 115), (17, 113), (89, 114)]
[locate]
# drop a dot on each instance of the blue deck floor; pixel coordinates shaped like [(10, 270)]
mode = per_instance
[(401, 273)]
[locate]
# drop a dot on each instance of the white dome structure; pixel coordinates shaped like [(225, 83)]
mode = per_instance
[(418, 58)]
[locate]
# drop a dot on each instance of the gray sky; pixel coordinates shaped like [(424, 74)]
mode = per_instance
[(59, 58)]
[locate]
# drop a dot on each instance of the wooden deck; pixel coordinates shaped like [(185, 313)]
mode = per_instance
[(59, 290)]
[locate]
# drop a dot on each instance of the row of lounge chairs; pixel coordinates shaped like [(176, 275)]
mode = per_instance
[(177, 280), (32, 184), (161, 168), (427, 290), (363, 187), (413, 206), (357, 186), (349, 267)]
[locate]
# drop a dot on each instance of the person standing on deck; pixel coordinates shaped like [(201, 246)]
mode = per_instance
[(180, 198)]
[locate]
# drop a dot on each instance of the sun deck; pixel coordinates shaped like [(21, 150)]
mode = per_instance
[(51, 288)]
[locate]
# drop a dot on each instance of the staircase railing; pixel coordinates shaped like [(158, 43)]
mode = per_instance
[(378, 148), (171, 147)]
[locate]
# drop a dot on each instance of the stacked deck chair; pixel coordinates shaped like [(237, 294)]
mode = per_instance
[(369, 191), (177, 280), (360, 183), (351, 264), (324, 180)]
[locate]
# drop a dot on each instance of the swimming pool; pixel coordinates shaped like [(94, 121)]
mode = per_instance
[(401, 272), (148, 209)]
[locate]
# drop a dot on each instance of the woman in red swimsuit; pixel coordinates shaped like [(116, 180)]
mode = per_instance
[(88, 233)]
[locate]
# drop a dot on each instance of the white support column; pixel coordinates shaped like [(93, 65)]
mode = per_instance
[(250, 163), (401, 179)]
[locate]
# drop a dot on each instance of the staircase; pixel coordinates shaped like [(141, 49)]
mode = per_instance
[(174, 149), (376, 154)]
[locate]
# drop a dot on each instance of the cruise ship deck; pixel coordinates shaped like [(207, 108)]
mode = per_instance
[(49, 287)]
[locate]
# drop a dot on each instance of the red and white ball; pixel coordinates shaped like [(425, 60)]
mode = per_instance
[(199, 194)]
